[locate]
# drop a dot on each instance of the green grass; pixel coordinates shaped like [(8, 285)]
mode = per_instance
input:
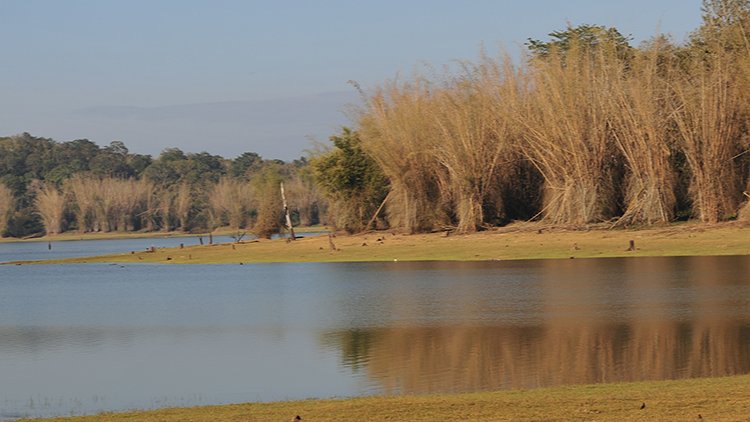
[(515, 242), (714, 399)]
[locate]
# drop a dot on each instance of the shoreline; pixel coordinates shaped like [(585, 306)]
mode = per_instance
[(515, 242), (722, 398), (74, 236)]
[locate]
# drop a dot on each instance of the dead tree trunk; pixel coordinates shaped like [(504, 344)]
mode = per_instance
[(286, 213)]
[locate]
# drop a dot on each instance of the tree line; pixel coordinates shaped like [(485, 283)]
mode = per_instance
[(52, 187)]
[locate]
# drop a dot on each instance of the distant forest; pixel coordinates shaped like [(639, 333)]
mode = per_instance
[(51, 187), (585, 129)]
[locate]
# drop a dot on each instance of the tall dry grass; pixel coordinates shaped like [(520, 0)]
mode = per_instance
[(711, 118), (50, 204), (6, 207), (606, 131), (165, 205), (230, 200), (303, 197), (398, 131), (183, 205), (563, 116), (474, 140), (641, 125), (83, 192), (109, 204)]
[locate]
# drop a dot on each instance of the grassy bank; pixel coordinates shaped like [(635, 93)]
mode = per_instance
[(710, 399), (514, 242)]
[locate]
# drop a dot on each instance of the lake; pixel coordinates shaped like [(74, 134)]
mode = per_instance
[(79, 339), (37, 250)]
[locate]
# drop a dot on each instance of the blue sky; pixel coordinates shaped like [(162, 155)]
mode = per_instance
[(142, 71)]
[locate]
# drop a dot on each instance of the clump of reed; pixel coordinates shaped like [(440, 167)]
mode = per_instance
[(304, 197), (111, 204), (397, 130), (50, 204), (184, 203), (230, 200), (711, 119), (563, 114), (473, 145), (639, 100), (597, 130), (6, 207)]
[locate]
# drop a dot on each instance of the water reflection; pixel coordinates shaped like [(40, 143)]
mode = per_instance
[(90, 338), (578, 321), (452, 359)]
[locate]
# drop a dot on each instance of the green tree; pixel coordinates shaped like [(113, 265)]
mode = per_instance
[(245, 164), (269, 211), (589, 37), (351, 180)]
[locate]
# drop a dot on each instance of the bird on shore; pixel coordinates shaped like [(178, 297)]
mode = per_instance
[(643, 406)]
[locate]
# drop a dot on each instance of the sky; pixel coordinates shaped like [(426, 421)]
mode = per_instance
[(270, 77)]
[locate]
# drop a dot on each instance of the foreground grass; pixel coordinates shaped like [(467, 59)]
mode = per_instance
[(515, 242), (709, 399)]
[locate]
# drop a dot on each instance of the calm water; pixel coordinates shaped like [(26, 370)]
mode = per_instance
[(29, 251), (88, 338)]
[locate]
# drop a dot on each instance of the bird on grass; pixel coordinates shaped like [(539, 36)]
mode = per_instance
[(643, 406)]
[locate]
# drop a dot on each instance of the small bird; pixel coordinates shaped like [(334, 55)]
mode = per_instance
[(298, 418), (699, 416), (643, 406)]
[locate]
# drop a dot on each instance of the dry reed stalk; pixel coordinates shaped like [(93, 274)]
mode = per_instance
[(6, 207), (50, 204), (397, 131), (474, 139), (149, 204), (183, 205), (744, 213), (640, 122), (84, 194), (128, 198), (708, 113), (108, 201), (165, 208), (231, 198), (303, 196), (565, 134)]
